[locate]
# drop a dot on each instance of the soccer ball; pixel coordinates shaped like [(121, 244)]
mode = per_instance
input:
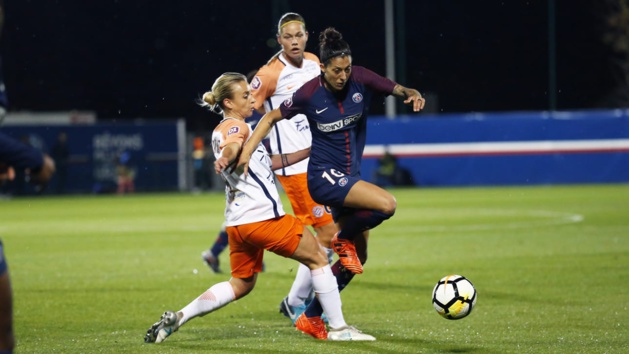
[(454, 297)]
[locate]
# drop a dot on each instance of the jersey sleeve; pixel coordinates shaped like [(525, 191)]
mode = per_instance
[(372, 80), (233, 131), (299, 102), (19, 155), (263, 85), (292, 106)]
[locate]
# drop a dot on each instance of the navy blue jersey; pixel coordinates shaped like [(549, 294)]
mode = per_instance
[(337, 121), (19, 155)]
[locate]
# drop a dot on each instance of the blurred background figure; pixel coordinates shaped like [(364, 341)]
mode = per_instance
[(60, 153), (385, 173), (126, 173), (389, 173), (200, 164)]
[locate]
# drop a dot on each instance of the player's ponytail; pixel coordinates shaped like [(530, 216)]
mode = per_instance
[(221, 89), (332, 44)]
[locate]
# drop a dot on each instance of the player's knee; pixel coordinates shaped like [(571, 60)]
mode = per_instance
[(242, 286), (325, 234), (389, 205), (320, 261), (362, 258)]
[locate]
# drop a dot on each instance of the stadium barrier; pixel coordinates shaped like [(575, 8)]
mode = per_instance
[(479, 149), (155, 152), (515, 148)]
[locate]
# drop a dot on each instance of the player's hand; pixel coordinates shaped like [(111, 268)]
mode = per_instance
[(417, 100), (221, 164), (7, 173), (43, 176)]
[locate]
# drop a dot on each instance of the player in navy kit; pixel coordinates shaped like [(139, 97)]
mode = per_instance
[(15, 155), (336, 105)]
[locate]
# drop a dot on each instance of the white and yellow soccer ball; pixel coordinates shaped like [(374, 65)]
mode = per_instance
[(454, 297)]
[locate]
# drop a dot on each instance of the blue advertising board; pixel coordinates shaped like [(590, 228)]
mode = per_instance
[(150, 150), (504, 148)]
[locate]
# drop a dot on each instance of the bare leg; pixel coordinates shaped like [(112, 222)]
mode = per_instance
[(365, 195)]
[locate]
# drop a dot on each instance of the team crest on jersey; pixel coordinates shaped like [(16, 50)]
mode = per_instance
[(357, 97), (233, 130), (317, 211), (255, 83), (343, 182), (288, 102)]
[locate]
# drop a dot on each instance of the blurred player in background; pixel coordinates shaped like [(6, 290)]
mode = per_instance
[(39, 168), (15, 155), (3, 94), (275, 82), (255, 221), (336, 104)]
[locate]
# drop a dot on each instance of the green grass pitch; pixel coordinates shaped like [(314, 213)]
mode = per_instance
[(551, 266)]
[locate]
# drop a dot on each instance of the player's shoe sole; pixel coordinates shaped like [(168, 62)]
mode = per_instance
[(163, 328), (346, 251)]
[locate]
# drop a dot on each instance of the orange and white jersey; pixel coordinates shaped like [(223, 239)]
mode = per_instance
[(254, 198), (274, 83)]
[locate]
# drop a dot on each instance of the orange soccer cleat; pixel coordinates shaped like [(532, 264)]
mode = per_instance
[(313, 326), (347, 254)]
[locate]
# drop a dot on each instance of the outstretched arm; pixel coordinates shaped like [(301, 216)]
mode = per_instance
[(262, 129), (283, 160), (228, 156), (411, 96)]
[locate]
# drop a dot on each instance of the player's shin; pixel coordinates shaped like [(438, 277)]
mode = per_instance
[(212, 299), (301, 288), (360, 221), (324, 284)]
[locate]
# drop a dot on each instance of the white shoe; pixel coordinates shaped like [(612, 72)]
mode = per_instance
[(160, 330), (347, 334), (211, 261)]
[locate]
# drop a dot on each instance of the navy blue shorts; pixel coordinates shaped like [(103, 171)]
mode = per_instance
[(3, 261), (330, 187)]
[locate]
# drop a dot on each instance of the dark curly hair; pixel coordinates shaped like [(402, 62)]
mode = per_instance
[(331, 45)]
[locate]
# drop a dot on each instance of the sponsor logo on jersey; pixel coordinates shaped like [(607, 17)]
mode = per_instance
[(339, 124), (233, 130), (317, 211), (319, 111), (343, 182), (357, 97), (301, 125), (255, 83)]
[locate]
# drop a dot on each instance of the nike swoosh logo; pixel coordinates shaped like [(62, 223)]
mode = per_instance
[(321, 111), (289, 87)]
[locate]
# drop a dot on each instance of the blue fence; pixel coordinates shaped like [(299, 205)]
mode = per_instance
[(151, 151), (504, 148), (439, 150)]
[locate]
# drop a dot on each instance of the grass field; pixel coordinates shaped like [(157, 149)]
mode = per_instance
[(551, 265)]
